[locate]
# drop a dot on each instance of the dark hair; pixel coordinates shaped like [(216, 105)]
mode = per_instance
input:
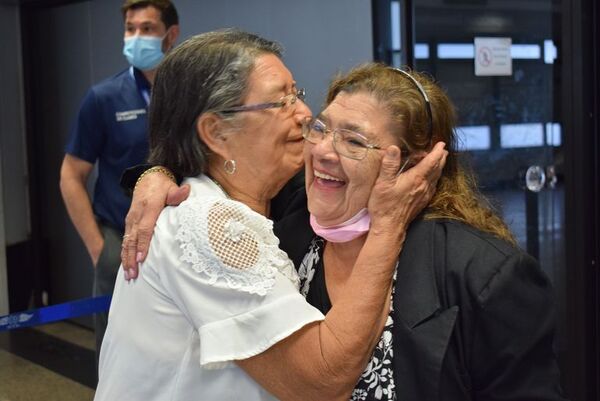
[(168, 13), (206, 73), (456, 195)]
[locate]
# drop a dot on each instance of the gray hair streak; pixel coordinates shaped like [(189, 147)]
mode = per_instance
[(206, 73)]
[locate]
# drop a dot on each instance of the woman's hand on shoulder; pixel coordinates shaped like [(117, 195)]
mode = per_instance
[(396, 199), (150, 196)]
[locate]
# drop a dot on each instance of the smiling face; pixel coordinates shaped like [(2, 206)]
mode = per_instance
[(268, 147), (339, 187)]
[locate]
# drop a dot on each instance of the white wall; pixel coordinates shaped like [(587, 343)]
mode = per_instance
[(320, 36)]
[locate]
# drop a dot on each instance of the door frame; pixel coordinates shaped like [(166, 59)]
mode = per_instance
[(580, 95), (35, 248), (4, 309)]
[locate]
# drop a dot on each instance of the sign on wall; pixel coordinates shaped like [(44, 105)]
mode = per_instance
[(492, 57)]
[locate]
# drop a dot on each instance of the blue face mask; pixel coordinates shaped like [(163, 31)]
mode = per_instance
[(143, 52)]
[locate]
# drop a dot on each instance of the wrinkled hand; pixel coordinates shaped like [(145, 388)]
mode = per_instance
[(397, 199), (150, 197)]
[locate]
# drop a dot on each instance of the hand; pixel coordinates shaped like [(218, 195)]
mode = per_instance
[(150, 197), (397, 199)]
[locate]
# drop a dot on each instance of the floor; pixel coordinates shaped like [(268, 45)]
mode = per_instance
[(50, 362)]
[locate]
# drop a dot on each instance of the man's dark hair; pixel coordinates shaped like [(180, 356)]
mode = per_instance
[(168, 13)]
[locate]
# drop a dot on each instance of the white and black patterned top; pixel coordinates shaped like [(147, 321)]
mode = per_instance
[(377, 381)]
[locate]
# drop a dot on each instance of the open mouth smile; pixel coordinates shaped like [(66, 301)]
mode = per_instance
[(328, 180)]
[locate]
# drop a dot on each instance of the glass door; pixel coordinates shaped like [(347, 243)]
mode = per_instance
[(509, 125), (498, 61)]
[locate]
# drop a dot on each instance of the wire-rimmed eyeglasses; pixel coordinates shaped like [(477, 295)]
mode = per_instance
[(285, 101), (345, 142)]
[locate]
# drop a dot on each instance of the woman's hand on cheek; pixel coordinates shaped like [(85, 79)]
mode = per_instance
[(397, 199), (150, 197)]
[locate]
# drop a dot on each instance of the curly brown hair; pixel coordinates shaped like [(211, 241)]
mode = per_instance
[(457, 196)]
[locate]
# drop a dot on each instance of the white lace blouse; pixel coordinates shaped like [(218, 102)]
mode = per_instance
[(214, 288)]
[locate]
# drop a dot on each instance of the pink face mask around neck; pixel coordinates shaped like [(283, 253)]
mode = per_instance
[(345, 232)]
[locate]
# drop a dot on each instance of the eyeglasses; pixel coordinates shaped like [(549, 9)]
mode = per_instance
[(345, 142), (285, 102)]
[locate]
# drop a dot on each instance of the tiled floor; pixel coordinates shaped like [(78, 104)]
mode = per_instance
[(51, 362)]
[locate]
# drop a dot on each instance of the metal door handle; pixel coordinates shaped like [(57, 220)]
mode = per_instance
[(535, 178)]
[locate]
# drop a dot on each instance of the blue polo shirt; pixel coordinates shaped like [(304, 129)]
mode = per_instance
[(111, 128)]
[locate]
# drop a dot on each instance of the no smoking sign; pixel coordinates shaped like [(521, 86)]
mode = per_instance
[(492, 57)]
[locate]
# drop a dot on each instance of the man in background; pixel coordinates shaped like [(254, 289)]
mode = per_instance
[(111, 130)]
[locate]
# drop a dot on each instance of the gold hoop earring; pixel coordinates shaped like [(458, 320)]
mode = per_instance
[(229, 166)]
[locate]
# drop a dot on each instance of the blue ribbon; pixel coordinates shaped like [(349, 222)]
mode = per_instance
[(49, 314)]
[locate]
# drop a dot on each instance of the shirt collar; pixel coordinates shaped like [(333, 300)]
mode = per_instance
[(140, 80)]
